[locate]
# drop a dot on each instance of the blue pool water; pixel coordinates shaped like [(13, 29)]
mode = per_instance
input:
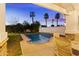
[(39, 37)]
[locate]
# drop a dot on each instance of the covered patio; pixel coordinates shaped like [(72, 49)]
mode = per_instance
[(71, 13)]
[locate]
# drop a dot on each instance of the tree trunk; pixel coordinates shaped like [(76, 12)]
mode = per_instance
[(46, 22), (52, 22), (32, 20), (57, 22)]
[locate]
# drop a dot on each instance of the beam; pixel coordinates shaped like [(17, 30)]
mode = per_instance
[(66, 6)]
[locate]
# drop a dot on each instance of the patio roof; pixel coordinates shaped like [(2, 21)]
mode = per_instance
[(52, 6), (60, 7)]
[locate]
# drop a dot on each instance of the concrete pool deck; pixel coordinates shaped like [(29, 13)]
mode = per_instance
[(53, 48), (29, 49)]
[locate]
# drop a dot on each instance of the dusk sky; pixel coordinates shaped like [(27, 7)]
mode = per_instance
[(19, 12)]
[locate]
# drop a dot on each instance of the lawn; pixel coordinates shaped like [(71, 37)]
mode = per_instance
[(13, 44)]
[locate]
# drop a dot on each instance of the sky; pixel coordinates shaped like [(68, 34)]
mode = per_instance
[(20, 12)]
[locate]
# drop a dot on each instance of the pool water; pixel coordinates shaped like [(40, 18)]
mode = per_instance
[(39, 37)]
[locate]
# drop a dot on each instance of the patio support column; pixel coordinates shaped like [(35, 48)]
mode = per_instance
[(3, 33), (72, 28), (72, 22)]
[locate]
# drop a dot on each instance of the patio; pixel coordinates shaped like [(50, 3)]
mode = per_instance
[(71, 13)]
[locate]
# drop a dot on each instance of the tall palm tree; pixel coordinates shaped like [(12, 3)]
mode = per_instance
[(32, 15), (57, 16), (52, 22), (46, 16)]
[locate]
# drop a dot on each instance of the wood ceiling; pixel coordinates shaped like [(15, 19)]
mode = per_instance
[(67, 6)]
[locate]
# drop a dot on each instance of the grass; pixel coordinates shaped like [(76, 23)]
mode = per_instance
[(13, 44)]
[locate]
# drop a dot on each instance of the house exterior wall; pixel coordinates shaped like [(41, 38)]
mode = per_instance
[(60, 30)]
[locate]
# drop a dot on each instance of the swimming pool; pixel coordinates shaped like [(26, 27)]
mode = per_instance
[(39, 37)]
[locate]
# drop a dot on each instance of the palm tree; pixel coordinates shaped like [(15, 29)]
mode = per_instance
[(52, 22), (46, 16), (57, 16), (32, 15)]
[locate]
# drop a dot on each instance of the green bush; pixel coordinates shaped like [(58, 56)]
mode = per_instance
[(20, 28), (35, 27)]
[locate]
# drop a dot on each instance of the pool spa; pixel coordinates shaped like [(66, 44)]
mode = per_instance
[(39, 37)]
